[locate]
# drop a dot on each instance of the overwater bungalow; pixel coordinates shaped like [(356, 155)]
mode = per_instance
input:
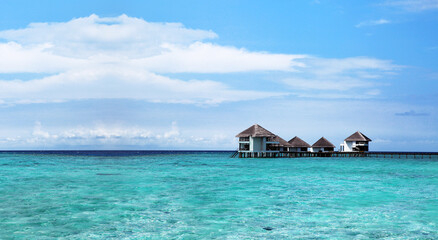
[(357, 142), (298, 145), (322, 145), (257, 142), (257, 139)]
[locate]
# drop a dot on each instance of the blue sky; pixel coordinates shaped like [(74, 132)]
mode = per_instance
[(193, 74)]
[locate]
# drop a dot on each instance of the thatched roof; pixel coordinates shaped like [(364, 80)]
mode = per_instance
[(322, 142), (298, 142), (282, 142), (256, 131), (357, 136)]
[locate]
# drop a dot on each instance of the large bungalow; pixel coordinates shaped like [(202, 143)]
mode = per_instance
[(258, 139), (357, 142), (323, 145), (298, 145)]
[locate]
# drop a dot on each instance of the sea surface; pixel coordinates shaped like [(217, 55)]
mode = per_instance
[(208, 195)]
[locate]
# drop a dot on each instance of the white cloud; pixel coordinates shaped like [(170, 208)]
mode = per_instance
[(113, 136), (118, 82), (123, 35), (373, 23), (174, 131), (414, 5), (331, 78), (162, 47), (38, 132), (348, 65), (121, 57), (209, 58), (16, 58), (125, 57)]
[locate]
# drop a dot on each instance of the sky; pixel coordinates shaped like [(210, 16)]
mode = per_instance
[(190, 75)]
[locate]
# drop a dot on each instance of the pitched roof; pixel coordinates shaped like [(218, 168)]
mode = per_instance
[(256, 131), (322, 142), (358, 136), (282, 142), (298, 142)]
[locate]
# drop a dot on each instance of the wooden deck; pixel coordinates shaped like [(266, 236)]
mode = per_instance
[(415, 155)]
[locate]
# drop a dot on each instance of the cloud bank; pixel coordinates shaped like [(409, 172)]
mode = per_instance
[(115, 137), (340, 78), (129, 58), (123, 57)]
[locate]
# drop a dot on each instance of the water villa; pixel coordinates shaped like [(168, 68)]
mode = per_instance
[(357, 142), (257, 141), (298, 145), (323, 145)]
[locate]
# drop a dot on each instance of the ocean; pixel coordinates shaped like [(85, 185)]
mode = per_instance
[(208, 195)]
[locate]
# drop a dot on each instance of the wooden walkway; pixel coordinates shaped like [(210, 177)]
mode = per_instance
[(420, 155), (415, 155)]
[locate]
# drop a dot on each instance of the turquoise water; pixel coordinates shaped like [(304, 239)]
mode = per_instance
[(211, 196)]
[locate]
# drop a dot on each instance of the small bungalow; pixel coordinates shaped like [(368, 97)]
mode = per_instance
[(298, 145), (322, 145), (258, 139), (357, 142)]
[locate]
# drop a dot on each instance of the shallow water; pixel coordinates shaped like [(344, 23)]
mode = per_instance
[(212, 196)]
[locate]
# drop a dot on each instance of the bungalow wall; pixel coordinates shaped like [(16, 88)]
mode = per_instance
[(321, 149), (348, 146), (352, 146), (298, 149), (257, 144)]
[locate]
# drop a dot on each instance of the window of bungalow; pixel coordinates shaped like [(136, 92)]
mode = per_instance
[(244, 146)]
